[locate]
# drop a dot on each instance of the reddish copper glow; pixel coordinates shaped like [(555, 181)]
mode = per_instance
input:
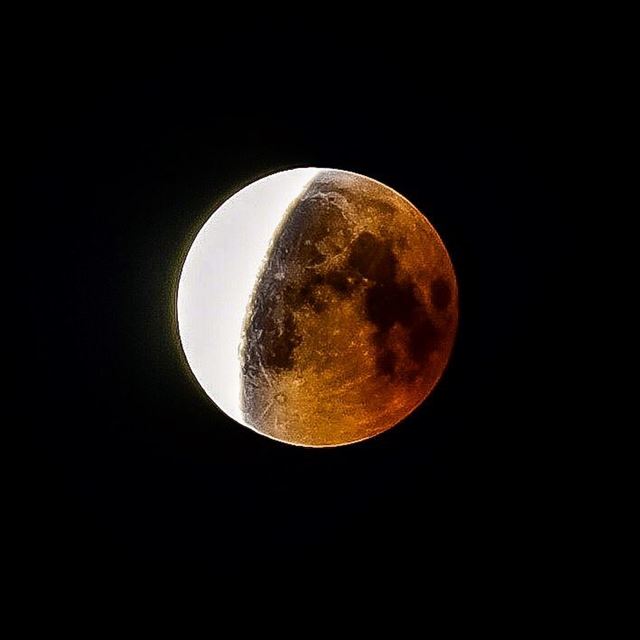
[(353, 318)]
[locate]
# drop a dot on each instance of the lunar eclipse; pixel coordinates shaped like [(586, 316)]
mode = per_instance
[(318, 307)]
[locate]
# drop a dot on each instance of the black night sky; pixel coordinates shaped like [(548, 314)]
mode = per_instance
[(133, 479)]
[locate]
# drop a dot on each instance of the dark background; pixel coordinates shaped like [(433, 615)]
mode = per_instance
[(133, 480)]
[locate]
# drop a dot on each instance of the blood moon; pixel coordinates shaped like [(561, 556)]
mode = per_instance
[(318, 307)]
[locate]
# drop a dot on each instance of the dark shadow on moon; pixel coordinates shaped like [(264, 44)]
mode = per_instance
[(296, 276)]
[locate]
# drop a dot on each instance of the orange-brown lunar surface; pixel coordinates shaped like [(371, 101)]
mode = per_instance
[(352, 319)]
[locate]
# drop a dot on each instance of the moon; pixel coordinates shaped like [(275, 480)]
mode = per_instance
[(318, 307)]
